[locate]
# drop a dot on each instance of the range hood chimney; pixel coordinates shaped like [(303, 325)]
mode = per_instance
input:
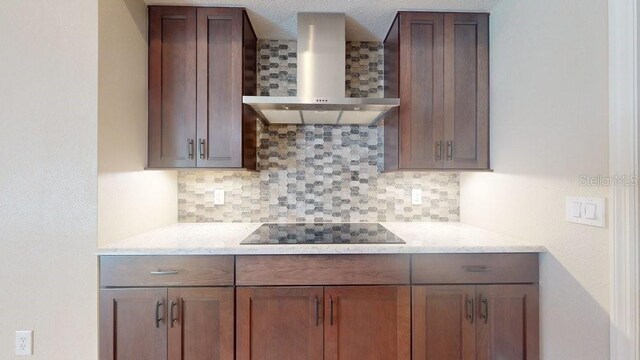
[(321, 81)]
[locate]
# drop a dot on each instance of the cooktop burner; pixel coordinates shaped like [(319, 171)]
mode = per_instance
[(322, 233)]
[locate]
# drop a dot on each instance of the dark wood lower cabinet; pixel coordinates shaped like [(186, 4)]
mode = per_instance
[(201, 323), (484, 322), (161, 324), (279, 323), (133, 324), (444, 322), (367, 322), (350, 323), (434, 307), (508, 322)]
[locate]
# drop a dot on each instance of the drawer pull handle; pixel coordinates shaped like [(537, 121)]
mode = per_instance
[(164, 272), (477, 268)]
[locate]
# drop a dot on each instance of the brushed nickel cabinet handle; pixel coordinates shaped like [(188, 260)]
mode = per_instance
[(172, 314), (317, 309), (202, 145), (484, 310), (450, 150), (331, 311), (438, 150), (164, 272), (476, 268), (471, 309), (158, 318), (190, 148)]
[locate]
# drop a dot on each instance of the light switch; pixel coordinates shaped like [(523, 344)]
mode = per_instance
[(586, 211), (590, 211), (575, 209)]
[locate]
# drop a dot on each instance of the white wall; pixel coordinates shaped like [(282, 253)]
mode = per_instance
[(48, 127), (549, 125), (130, 199)]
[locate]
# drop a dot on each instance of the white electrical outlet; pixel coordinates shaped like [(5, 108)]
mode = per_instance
[(218, 197), (416, 196), (24, 342)]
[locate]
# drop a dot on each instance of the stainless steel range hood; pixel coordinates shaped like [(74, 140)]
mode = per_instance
[(321, 80)]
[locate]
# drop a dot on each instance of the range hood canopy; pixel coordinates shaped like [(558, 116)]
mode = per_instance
[(321, 81)]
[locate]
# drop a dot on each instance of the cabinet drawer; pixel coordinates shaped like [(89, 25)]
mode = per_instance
[(474, 268), (322, 270), (123, 271)]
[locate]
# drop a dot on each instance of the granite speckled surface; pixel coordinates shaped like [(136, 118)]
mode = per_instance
[(225, 238)]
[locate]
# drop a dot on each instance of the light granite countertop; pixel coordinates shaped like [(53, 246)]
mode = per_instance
[(225, 238)]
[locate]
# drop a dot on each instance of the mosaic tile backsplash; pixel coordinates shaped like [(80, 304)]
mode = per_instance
[(277, 73), (318, 173)]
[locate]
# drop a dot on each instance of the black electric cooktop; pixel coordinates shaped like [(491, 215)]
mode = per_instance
[(322, 233)]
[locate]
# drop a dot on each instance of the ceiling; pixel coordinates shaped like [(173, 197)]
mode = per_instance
[(367, 20)]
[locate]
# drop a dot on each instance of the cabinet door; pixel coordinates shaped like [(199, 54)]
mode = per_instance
[(279, 323), (201, 323), (466, 93), (507, 322), (421, 92), (444, 322), (220, 69), (367, 322), (172, 86), (133, 324)]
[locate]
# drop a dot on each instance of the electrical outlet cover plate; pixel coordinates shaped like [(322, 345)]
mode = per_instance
[(218, 197), (416, 196), (24, 342), (586, 211)]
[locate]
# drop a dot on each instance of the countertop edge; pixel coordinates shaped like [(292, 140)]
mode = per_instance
[(282, 250)]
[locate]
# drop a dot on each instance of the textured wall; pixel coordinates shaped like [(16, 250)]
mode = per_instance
[(48, 171), (549, 126), (131, 200), (316, 172)]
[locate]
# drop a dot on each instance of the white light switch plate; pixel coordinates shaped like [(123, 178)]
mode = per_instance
[(24, 342), (416, 196), (218, 197), (586, 211)]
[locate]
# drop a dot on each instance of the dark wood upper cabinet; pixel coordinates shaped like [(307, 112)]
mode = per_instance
[(172, 86), (421, 91), (198, 73), (133, 324), (279, 323), (368, 322), (508, 322), (444, 322), (438, 65), (201, 323), (466, 93)]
